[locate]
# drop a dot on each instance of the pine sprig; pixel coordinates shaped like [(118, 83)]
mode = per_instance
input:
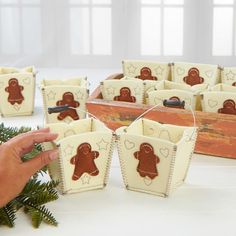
[(7, 133), (35, 194), (40, 193), (8, 215), (39, 213), (36, 218)]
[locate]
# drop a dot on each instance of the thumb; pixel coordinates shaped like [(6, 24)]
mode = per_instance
[(41, 160)]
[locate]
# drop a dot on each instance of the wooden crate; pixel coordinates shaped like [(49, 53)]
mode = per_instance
[(217, 132)]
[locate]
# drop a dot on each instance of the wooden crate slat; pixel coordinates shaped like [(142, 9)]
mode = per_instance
[(217, 132)]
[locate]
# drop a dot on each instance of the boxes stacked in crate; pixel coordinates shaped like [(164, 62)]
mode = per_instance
[(156, 82)]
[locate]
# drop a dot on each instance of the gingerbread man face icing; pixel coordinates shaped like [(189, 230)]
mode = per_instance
[(147, 166), (84, 161), (228, 107), (146, 74), (68, 99), (193, 77), (14, 90), (125, 95)]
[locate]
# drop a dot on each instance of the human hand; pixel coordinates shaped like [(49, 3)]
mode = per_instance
[(14, 173)]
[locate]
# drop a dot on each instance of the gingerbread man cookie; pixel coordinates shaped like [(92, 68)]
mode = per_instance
[(228, 107), (234, 84), (14, 90), (147, 166), (193, 77), (68, 99), (125, 95), (84, 161), (146, 74)]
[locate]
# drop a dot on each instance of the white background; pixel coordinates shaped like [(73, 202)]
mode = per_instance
[(100, 33)]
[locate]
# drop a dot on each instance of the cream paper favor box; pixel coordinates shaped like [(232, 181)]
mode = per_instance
[(155, 158), (146, 70), (221, 99), (228, 75), (72, 92), (85, 150), (123, 90), (192, 74), (17, 88), (168, 90)]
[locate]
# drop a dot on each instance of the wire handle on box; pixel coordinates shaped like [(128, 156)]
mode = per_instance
[(58, 109), (169, 103)]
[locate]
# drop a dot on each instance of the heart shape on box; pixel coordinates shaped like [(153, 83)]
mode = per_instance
[(180, 71), (164, 152), (26, 81), (67, 120), (150, 131), (209, 73), (212, 103), (110, 91), (164, 134), (147, 181), (129, 145), (17, 107)]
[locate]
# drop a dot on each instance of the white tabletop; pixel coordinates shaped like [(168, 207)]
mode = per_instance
[(204, 205)]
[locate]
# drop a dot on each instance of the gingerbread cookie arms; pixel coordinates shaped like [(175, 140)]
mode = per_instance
[(193, 77), (84, 161), (68, 99), (228, 107), (125, 96), (147, 161), (146, 74), (14, 90)]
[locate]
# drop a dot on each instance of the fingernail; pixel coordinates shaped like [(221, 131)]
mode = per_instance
[(54, 155)]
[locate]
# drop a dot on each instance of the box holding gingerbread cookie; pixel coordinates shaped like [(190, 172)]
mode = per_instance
[(70, 91), (197, 85), (17, 88)]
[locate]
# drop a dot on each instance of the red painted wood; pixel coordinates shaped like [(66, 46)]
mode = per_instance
[(217, 132)]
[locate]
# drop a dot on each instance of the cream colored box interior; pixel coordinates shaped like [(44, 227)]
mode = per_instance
[(85, 148), (228, 75), (146, 70), (155, 158), (170, 90), (123, 90), (148, 85), (221, 99), (192, 74), (72, 92), (17, 89)]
